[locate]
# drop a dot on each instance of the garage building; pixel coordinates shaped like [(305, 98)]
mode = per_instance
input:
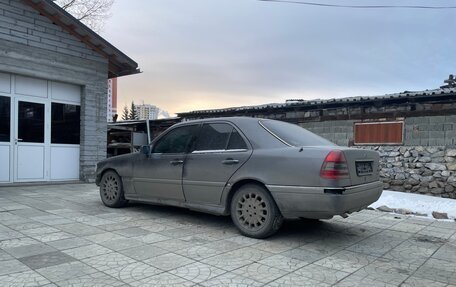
[(53, 93)]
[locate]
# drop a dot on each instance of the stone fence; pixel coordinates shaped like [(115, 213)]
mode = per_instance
[(417, 169)]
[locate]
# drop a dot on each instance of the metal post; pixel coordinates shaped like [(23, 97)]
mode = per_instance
[(148, 131)]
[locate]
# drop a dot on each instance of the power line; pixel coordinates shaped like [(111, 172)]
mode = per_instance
[(361, 6)]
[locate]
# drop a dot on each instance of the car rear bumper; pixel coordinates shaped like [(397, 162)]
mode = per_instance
[(323, 203)]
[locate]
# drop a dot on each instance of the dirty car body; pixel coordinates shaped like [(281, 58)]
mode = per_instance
[(202, 164)]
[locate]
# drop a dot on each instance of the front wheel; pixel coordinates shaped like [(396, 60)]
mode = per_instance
[(254, 212), (111, 190)]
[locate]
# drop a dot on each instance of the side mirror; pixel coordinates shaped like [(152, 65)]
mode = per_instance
[(145, 149)]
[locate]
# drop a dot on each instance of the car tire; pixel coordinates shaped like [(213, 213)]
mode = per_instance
[(254, 212), (111, 190)]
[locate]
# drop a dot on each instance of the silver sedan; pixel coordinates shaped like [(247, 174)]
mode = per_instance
[(259, 171)]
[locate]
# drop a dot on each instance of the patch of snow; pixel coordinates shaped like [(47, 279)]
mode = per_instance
[(417, 203)]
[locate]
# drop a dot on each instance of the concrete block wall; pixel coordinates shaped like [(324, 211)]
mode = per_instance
[(31, 45), (418, 131), (22, 24), (339, 132), (430, 131), (93, 127)]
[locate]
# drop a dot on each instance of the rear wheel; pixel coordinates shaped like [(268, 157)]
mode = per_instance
[(111, 190), (254, 212)]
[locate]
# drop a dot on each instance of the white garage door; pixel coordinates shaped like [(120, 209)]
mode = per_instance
[(39, 129)]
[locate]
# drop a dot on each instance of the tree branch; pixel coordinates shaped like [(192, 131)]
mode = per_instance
[(93, 13)]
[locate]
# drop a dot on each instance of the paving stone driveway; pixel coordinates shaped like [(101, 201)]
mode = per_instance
[(61, 235)]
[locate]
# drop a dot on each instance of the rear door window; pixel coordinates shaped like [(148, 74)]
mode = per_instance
[(236, 141), (219, 137), (213, 137)]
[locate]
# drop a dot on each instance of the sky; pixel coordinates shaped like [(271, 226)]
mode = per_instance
[(205, 54)]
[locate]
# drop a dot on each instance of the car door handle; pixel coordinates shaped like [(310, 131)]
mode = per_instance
[(176, 162), (230, 161)]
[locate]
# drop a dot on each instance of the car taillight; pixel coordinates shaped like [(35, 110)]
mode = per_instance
[(335, 166)]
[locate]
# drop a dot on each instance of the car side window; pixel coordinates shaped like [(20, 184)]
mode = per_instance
[(236, 141), (219, 137), (213, 137), (176, 141)]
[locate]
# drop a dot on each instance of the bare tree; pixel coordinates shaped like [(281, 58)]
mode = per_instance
[(93, 13)]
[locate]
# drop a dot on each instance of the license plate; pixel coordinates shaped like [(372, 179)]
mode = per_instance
[(364, 168)]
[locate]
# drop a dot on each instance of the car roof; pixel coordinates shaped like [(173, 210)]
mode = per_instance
[(235, 120)]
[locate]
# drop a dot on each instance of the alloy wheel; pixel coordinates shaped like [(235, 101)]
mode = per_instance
[(252, 211), (111, 188)]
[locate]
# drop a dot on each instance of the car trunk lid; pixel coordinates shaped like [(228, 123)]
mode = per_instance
[(362, 165)]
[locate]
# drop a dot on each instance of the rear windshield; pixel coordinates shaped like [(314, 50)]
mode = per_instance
[(294, 135)]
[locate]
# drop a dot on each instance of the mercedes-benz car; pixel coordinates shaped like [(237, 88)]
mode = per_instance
[(259, 171)]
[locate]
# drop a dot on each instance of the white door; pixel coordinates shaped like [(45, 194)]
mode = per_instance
[(39, 129), (30, 139)]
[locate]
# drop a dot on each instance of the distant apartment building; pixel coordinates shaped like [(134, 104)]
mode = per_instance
[(147, 112), (112, 99)]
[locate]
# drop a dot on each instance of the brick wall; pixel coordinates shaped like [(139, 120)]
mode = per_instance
[(31, 45)]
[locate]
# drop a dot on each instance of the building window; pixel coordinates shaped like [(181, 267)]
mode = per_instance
[(65, 124), (30, 123), (5, 114), (379, 133)]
